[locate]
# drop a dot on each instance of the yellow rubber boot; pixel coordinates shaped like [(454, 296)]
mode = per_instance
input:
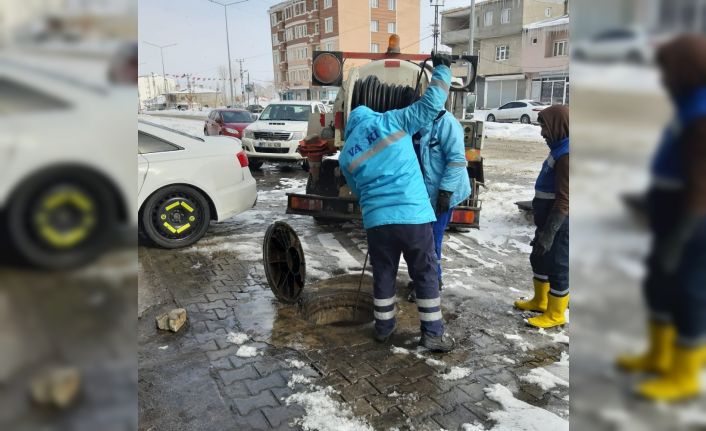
[(681, 382), (554, 316), (658, 357), (540, 299)]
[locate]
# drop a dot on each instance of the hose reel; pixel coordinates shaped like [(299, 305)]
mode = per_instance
[(381, 97)]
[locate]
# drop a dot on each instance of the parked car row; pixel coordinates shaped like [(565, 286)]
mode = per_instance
[(525, 111)]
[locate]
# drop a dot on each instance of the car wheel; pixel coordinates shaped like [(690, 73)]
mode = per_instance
[(176, 216), (61, 220), (255, 164), (525, 119), (491, 118)]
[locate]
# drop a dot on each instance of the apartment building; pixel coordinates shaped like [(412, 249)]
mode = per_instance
[(500, 45), (545, 60), (300, 27)]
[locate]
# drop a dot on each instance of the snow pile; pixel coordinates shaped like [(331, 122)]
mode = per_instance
[(298, 379), (189, 126), (519, 341), (399, 350), (246, 352), (237, 337), (513, 132), (472, 427), (323, 413), (544, 379), (559, 337), (294, 363), (456, 373), (518, 415), (197, 265)]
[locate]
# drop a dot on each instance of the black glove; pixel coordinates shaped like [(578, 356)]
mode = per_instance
[(438, 58), (670, 249), (443, 201), (545, 237)]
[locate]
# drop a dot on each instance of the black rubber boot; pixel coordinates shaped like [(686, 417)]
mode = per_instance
[(382, 338), (437, 344)]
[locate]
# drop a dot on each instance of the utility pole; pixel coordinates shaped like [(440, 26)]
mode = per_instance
[(471, 37), (161, 52), (230, 71), (242, 84), (436, 4), (248, 88)]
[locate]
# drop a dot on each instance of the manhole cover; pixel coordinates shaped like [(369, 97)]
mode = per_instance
[(284, 262)]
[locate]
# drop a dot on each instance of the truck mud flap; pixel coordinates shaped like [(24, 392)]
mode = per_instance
[(324, 207)]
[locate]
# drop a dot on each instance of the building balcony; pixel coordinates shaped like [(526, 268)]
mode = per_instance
[(455, 37)]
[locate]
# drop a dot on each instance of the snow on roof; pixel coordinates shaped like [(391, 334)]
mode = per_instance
[(550, 22)]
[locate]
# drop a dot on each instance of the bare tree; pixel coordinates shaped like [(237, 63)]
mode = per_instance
[(223, 79)]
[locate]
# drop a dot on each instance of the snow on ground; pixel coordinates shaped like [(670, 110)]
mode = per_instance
[(623, 78), (456, 373), (294, 363), (191, 126), (237, 337), (323, 413), (513, 132), (247, 247), (246, 352), (298, 379), (399, 350), (544, 379), (519, 341), (195, 113), (345, 260), (518, 415)]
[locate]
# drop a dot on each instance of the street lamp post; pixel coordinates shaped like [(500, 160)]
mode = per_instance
[(161, 53), (230, 70)]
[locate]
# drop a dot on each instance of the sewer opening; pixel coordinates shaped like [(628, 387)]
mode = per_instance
[(339, 308)]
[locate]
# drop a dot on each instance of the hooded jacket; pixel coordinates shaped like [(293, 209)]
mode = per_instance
[(443, 159), (682, 154), (556, 167), (378, 159)]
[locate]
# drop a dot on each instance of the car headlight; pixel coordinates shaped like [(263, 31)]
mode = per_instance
[(248, 134), (297, 136), (233, 131)]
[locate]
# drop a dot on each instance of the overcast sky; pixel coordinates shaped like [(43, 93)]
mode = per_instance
[(198, 29)]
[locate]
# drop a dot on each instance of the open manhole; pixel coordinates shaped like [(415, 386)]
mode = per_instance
[(335, 301)]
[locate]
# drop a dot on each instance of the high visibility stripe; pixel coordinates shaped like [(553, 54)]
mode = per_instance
[(383, 302), (457, 164), (559, 292), (379, 146), (551, 161), (434, 302), (183, 228), (430, 317), (384, 315), (439, 83), (170, 227), (175, 204), (541, 277), (544, 195), (188, 208)]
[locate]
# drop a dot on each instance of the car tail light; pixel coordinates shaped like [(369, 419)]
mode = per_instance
[(243, 159), (306, 204), (322, 120), (327, 68), (472, 155), (463, 216)]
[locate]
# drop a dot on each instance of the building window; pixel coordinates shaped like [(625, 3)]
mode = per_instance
[(289, 34), (502, 52), (391, 27), (273, 19), (315, 5), (316, 28), (328, 4), (374, 47), (548, 12), (488, 18), (374, 25), (288, 13), (275, 58), (329, 46), (275, 41), (391, 4), (299, 31), (534, 41), (505, 16), (559, 48), (374, 3), (328, 24)]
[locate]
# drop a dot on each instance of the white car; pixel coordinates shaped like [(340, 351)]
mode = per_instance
[(634, 45), (525, 111), (185, 181), (67, 179), (276, 134)]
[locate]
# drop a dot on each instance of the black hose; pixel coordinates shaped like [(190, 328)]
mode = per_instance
[(381, 97)]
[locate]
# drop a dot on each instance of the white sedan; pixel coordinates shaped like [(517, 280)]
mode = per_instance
[(525, 111), (185, 181)]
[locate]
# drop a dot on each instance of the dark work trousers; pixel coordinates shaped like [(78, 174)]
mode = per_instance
[(439, 227), (678, 297), (416, 243), (553, 266)]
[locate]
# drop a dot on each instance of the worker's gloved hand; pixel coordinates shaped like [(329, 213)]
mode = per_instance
[(439, 58), (443, 201), (545, 237)]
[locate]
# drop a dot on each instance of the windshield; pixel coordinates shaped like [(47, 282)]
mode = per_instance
[(286, 113), (537, 104), (236, 117)]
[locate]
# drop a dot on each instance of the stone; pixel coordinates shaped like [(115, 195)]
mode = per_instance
[(172, 320), (56, 387)]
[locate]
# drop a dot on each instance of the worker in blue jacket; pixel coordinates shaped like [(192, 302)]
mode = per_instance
[(381, 168), (442, 158)]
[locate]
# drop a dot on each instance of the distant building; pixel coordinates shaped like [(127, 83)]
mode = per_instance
[(194, 98), (153, 87), (545, 60), (300, 27), (499, 42)]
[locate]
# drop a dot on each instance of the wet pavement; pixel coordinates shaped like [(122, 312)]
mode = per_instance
[(248, 361)]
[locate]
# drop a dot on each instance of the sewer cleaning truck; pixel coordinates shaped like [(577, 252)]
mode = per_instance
[(381, 84)]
